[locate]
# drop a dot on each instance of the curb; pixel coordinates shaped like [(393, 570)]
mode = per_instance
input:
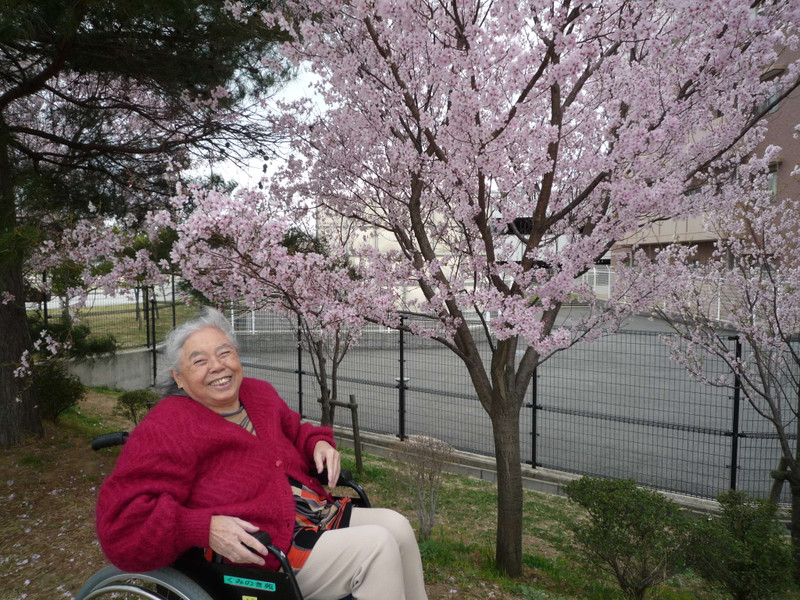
[(546, 481)]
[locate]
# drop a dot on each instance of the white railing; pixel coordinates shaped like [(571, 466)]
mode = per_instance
[(600, 278)]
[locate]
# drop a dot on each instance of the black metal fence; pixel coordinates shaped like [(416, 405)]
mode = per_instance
[(617, 407), (136, 318)]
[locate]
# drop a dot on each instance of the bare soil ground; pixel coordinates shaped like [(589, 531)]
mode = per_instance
[(48, 489)]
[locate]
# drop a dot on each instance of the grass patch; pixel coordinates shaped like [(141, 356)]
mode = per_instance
[(127, 325), (82, 422), (48, 487), (459, 556), (36, 462)]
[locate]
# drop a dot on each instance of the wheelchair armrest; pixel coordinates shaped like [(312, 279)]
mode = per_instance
[(218, 577), (345, 477), (346, 480), (262, 536)]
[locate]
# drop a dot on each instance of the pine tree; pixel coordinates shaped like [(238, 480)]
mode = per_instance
[(98, 98)]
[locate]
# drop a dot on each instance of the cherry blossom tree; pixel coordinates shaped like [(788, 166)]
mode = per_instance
[(503, 147), (243, 248), (475, 159), (326, 345), (754, 276)]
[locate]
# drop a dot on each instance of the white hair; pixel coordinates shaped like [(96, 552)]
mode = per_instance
[(208, 317)]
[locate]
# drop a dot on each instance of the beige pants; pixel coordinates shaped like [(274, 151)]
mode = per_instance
[(375, 558)]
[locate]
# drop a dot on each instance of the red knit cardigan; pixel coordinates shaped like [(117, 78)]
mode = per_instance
[(184, 463)]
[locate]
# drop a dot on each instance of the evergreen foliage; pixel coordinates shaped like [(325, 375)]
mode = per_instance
[(636, 535), (101, 102), (77, 338), (57, 390), (135, 404), (752, 556)]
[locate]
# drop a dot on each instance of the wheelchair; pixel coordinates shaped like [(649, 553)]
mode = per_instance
[(193, 576)]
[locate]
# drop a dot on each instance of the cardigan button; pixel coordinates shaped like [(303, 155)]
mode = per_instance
[(278, 464)]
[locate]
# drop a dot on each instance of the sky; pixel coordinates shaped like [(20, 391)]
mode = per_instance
[(250, 175)]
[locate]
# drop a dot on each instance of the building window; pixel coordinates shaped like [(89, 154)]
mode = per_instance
[(772, 76), (772, 181)]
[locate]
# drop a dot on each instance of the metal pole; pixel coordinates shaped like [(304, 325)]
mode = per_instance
[(737, 386), (146, 307), (534, 415), (153, 317), (174, 316), (45, 297), (402, 383), (299, 365)]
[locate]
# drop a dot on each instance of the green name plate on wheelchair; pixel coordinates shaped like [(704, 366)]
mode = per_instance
[(255, 584)]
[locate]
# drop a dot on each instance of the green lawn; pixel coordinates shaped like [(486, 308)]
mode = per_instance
[(53, 480), (460, 553), (127, 325)]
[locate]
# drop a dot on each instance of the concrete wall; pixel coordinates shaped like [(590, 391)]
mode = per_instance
[(126, 370)]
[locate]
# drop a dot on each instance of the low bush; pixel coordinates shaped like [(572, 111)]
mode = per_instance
[(636, 535), (745, 551), (57, 391), (135, 404)]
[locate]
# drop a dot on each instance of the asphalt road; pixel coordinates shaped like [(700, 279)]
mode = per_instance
[(617, 407)]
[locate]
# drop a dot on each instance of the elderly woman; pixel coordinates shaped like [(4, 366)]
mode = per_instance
[(225, 457)]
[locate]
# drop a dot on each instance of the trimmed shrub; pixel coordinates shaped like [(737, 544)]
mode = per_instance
[(745, 551), (56, 390), (636, 535), (135, 404)]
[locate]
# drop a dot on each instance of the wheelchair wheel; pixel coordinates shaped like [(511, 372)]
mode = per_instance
[(163, 584)]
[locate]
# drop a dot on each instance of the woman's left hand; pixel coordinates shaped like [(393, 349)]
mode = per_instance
[(326, 455)]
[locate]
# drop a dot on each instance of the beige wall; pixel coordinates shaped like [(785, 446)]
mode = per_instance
[(781, 124)]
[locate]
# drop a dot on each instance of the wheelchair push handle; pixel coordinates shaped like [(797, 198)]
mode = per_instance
[(108, 440)]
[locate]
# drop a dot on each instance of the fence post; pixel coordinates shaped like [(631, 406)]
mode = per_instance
[(146, 307), (401, 384), (45, 297), (153, 319), (174, 316), (534, 414), (299, 366), (737, 386)]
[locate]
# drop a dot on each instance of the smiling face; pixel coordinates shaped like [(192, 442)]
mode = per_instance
[(210, 371)]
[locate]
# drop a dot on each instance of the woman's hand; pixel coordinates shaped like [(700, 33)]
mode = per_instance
[(227, 537), (326, 455)]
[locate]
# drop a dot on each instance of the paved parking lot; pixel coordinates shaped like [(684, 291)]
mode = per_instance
[(617, 407)]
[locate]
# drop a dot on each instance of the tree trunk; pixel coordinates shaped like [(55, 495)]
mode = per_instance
[(505, 427), (321, 367), (326, 416), (794, 525), (500, 392), (19, 414)]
